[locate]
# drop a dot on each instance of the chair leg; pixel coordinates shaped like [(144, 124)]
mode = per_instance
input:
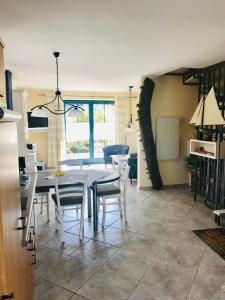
[(47, 204), (98, 206), (125, 207), (61, 226), (104, 212), (82, 222), (41, 207), (77, 211), (120, 207)]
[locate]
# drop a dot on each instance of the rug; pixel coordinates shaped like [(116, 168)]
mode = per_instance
[(214, 238)]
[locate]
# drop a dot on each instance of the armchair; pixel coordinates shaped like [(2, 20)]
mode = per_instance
[(114, 150)]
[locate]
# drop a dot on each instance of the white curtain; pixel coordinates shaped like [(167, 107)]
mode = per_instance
[(56, 136), (122, 116)]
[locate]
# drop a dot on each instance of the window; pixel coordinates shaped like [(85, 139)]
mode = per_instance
[(87, 135)]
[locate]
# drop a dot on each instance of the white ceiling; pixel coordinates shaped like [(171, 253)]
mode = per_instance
[(107, 45)]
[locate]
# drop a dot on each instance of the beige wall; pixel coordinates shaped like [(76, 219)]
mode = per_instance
[(39, 97), (171, 99)]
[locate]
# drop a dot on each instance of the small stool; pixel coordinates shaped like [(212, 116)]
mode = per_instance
[(218, 213)]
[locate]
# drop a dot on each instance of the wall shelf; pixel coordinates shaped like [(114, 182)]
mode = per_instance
[(209, 147)]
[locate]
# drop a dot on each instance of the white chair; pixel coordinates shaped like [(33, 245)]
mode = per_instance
[(117, 191), (72, 197), (71, 163), (42, 198)]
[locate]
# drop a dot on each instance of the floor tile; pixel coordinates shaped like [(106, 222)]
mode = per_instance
[(184, 256), (71, 273), (45, 234), (78, 297), (196, 224), (71, 243), (132, 224), (149, 292), (212, 261), (194, 213), (141, 213), (106, 284), (95, 251), (180, 210), (208, 286), (186, 238), (88, 229), (169, 276), (46, 260), (114, 236), (158, 231), (147, 248), (152, 203), (182, 199), (129, 263), (44, 290)]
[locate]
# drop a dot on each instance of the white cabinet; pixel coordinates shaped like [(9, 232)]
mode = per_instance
[(20, 105)]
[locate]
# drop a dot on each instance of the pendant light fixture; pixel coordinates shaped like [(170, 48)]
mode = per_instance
[(129, 124), (43, 110)]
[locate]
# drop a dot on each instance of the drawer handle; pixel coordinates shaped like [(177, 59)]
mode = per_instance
[(34, 259), (21, 228)]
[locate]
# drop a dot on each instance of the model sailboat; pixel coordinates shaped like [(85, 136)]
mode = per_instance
[(207, 112)]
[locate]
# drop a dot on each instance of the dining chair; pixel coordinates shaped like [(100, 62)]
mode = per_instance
[(43, 200), (70, 198), (71, 163), (116, 191)]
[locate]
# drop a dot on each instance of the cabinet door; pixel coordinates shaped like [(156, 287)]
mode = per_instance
[(2, 78), (1, 276), (17, 273)]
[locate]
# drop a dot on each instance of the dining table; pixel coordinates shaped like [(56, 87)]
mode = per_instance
[(45, 181)]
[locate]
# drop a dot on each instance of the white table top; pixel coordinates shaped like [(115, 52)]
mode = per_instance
[(120, 157)]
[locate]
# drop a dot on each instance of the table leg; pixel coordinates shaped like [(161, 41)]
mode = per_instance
[(95, 207), (89, 203)]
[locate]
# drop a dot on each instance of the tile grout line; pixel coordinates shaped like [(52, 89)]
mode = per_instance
[(196, 272)]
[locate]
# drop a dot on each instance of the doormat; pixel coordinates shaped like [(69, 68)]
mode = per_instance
[(214, 238)]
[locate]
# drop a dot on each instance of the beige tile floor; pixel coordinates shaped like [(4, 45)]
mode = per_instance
[(154, 256)]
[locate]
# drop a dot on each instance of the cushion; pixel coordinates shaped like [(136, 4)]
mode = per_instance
[(107, 189), (68, 200)]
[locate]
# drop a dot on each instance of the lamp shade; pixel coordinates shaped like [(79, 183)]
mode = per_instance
[(75, 112), (129, 130), (39, 112)]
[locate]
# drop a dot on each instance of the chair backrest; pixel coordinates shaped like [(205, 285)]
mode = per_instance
[(124, 172), (77, 188), (114, 150), (71, 163)]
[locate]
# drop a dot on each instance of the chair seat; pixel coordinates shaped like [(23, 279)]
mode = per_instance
[(107, 189), (64, 201)]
